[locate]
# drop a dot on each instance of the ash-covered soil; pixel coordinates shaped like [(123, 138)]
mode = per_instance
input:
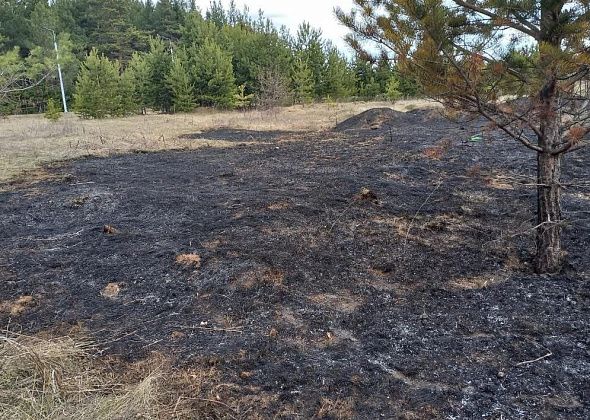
[(377, 271)]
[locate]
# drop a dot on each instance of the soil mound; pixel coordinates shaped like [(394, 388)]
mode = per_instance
[(371, 119)]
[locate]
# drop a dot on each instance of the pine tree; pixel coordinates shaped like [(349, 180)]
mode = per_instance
[(139, 73), (383, 73), (158, 62), (213, 76), (109, 27), (97, 87), (167, 19), (366, 85), (310, 45), (126, 103), (457, 51), (52, 111), (337, 79), (243, 100), (273, 88), (302, 81), (393, 92), (180, 85)]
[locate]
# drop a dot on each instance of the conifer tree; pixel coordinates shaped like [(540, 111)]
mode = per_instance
[(97, 87), (126, 103), (167, 20), (366, 85), (158, 62), (52, 111), (393, 93), (213, 76), (310, 46), (108, 24), (337, 79), (302, 81), (139, 72), (243, 100), (459, 50), (179, 83)]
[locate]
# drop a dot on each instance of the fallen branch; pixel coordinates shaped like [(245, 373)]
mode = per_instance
[(528, 362), (214, 329)]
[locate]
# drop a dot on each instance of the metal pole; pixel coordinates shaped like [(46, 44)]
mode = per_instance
[(61, 80)]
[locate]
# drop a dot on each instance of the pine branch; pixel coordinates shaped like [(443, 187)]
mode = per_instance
[(532, 32)]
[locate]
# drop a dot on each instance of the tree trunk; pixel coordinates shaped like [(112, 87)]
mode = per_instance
[(549, 256)]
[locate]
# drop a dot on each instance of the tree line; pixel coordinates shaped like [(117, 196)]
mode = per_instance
[(122, 57)]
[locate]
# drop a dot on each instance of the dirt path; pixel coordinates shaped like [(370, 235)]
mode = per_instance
[(366, 273)]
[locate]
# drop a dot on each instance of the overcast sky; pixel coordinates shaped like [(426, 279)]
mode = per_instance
[(319, 13)]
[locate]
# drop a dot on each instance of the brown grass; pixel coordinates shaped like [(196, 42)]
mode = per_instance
[(477, 282), (58, 378), (28, 142), (189, 260), (343, 302), (259, 277), (17, 306), (111, 291), (335, 409), (62, 378)]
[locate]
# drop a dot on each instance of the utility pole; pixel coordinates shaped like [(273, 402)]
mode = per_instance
[(61, 80)]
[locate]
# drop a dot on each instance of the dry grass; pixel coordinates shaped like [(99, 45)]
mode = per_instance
[(259, 277), (17, 306), (30, 141), (189, 260), (59, 379), (62, 378)]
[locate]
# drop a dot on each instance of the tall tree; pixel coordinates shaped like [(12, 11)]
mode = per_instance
[(337, 78), (302, 81), (138, 71), (310, 45), (366, 84), (110, 30), (213, 76), (159, 61), (457, 49), (97, 94), (179, 83), (167, 20)]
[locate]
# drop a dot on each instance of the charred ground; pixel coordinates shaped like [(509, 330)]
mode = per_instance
[(379, 270)]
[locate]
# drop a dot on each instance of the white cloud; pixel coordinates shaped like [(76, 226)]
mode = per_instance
[(319, 13)]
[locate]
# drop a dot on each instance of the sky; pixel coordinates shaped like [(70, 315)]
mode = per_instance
[(319, 13)]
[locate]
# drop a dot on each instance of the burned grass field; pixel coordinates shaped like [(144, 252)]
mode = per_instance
[(379, 270)]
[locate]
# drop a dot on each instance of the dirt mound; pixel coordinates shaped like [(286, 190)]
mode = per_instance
[(371, 119)]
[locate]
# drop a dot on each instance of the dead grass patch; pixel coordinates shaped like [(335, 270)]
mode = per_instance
[(499, 182), (476, 282), (259, 277), (433, 152), (279, 205), (58, 378), (343, 302), (287, 316), (110, 230), (212, 244), (111, 291), (17, 306), (61, 378), (189, 260), (341, 409)]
